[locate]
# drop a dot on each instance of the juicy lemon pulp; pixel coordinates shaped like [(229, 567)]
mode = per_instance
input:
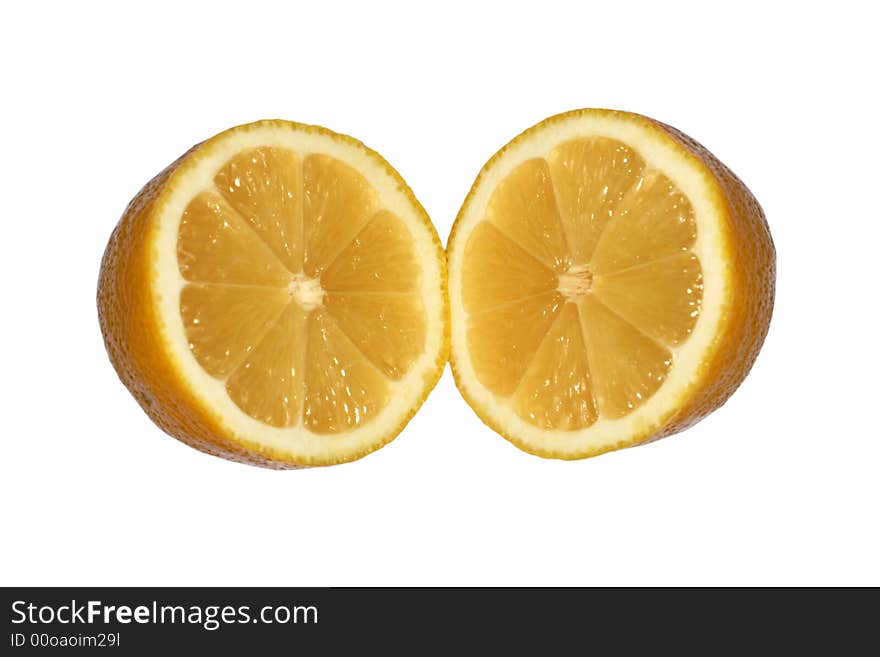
[(301, 292), (579, 284)]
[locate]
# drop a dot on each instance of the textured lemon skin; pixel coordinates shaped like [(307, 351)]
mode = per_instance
[(750, 282), (750, 294), (131, 325)]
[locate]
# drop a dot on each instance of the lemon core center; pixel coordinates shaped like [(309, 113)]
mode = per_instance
[(305, 291), (576, 281)]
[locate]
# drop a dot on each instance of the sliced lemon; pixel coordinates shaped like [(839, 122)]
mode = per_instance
[(611, 283), (277, 296)]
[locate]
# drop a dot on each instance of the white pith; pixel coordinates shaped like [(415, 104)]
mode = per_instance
[(661, 153), (305, 291), (296, 443), (575, 282)]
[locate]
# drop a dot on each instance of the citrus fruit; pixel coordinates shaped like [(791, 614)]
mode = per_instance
[(610, 281), (276, 296)]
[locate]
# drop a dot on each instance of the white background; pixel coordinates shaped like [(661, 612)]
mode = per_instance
[(780, 486)]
